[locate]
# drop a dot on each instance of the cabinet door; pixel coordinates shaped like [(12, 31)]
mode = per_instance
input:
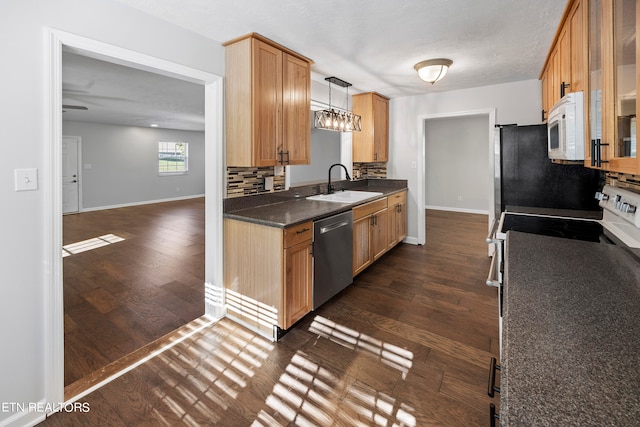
[(546, 107), (564, 61), (554, 76), (298, 282), (401, 218), (267, 102), (379, 236), (296, 86), (578, 46), (361, 244), (392, 235), (595, 80), (371, 144), (621, 123), (397, 218), (381, 128)]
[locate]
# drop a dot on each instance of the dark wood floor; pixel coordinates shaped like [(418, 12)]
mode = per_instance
[(122, 296), (408, 344)]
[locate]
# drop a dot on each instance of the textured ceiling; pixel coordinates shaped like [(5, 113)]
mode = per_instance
[(115, 94), (374, 44)]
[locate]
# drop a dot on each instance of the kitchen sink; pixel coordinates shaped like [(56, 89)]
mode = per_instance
[(345, 196)]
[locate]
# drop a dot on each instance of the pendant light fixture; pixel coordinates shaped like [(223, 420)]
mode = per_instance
[(433, 70), (338, 119)]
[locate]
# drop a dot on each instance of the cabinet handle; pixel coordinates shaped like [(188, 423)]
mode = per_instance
[(492, 415), (543, 117), (563, 86), (304, 230), (593, 152), (491, 387), (597, 153), (281, 154)]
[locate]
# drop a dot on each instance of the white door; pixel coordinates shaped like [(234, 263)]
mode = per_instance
[(70, 176)]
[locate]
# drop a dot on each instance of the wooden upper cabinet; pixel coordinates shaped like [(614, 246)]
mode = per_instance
[(372, 143), (296, 135), (578, 46), (267, 102), (565, 68), (613, 83)]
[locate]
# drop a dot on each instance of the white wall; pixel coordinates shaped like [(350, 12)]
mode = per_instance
[(23, 134), (518, 102), (456, 163), (325, 151), (124, 164)]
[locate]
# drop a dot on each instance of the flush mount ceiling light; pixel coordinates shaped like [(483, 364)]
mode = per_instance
[(338, 119), (433, 70)]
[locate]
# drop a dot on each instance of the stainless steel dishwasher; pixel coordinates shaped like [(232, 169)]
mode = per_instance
[(332, 256)]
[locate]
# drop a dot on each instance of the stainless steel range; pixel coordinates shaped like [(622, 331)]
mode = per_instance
[(620, 225)]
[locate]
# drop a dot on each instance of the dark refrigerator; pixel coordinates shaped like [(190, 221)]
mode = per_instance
[(526, 177)]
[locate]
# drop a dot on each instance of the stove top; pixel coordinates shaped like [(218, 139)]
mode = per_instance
[(567, 228), (620, 223)]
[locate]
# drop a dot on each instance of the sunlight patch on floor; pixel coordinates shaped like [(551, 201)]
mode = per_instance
[(391, 355), (90, 244)]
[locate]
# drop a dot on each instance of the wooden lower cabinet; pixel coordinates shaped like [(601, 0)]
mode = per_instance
[(267, 274), (377, 227), (397, 216), (369, 233), (298, 287)]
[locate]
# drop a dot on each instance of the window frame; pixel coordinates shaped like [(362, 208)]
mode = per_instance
[(164, 148)]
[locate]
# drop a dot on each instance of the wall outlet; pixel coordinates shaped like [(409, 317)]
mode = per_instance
[(268, 183)]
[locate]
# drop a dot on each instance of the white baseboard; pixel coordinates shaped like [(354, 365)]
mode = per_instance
[(27, 417), (451, 209), (411, 240), (145, 202)]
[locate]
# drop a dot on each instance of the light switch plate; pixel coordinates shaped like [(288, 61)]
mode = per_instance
[(268, 183), (26, 179)]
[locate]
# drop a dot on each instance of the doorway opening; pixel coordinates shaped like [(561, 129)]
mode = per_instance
[(209, 210), (456, 162)]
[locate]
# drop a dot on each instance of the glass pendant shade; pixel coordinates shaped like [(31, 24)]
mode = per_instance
[(337, 120), (433, 70), (340, 121)]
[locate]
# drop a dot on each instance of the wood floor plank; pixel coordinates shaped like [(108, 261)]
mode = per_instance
[(407, 344), (116, 297)]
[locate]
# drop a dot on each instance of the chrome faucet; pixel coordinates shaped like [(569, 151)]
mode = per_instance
[(330, 187)]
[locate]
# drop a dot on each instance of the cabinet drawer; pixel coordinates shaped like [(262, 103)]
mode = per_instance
[(394, 199), (298, 233), (369, 208)]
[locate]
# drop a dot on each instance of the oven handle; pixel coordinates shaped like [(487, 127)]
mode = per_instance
[(491, 238), (492, 279)]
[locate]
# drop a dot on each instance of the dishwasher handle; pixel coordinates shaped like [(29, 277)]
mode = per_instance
[(333, 226)]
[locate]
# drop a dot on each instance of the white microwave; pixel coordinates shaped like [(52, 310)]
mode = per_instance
[(565, 128)]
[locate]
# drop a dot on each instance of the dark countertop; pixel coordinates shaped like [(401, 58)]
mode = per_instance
[(288, 208), (571, 334)]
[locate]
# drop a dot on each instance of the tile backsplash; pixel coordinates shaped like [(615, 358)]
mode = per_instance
[(370, 170), (242, 181)]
